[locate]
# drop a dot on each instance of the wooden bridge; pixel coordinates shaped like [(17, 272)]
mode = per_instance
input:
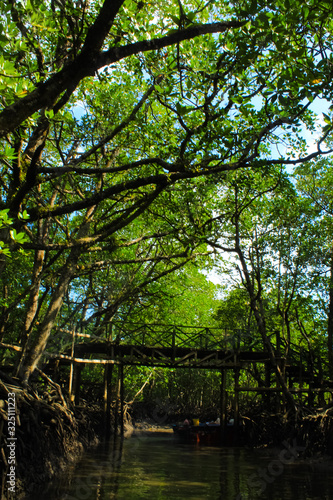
[(168, 346), (176, 346), (179, 346)]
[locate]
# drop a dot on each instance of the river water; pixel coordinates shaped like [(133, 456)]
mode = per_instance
[(156, 466)]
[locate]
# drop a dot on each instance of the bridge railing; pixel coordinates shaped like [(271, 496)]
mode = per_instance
[(163, 335)]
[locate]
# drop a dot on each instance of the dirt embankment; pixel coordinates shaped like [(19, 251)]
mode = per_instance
[(313, 431), (40, 435)]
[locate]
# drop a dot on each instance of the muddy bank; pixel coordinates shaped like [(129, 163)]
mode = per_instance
[(40, 436), (313, 432)]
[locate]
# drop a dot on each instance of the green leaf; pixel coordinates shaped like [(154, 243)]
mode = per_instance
[(3, 40), (175, 19), (49, 113), (21, 238), (24, 215), (191, 15), (327, 119), (284, 101)]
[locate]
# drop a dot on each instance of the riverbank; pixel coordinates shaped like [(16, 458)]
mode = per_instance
[(41, 437), (312, 431), (152, 464), (51, 435)]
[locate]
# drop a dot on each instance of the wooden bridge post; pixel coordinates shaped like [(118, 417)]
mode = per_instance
[(283, 371), (78, 367), (121, 367), (300, 374), (71, 382), (267, 395), (278, 343), (116, 411), (107, 399), (278, 400), (74, 374), (236, 403), (223, 404), (71, 371), (120, 398), (109, 332), (173, 344)]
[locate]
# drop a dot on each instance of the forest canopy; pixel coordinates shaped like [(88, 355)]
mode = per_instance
[(142, 143)]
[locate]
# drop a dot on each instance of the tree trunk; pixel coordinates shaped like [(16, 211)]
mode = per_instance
[(36, 345), (34, 295), (330, 321), (257, 307), (279, 374)]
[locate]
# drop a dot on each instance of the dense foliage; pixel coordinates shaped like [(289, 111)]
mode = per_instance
[(139, 141)]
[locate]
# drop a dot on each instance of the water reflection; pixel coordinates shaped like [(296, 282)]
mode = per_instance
[(156, 466)]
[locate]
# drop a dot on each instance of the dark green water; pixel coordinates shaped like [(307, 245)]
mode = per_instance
[(155, 466)]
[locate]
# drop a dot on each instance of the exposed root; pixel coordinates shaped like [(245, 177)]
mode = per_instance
[(50, 434)]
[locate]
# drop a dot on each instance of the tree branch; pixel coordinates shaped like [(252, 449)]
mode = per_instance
[(90, 60)]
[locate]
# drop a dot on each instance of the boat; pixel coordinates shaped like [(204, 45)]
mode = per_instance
[(211, 433), (206, 433)]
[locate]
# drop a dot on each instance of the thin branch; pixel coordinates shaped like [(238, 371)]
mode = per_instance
[(89, 61)]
